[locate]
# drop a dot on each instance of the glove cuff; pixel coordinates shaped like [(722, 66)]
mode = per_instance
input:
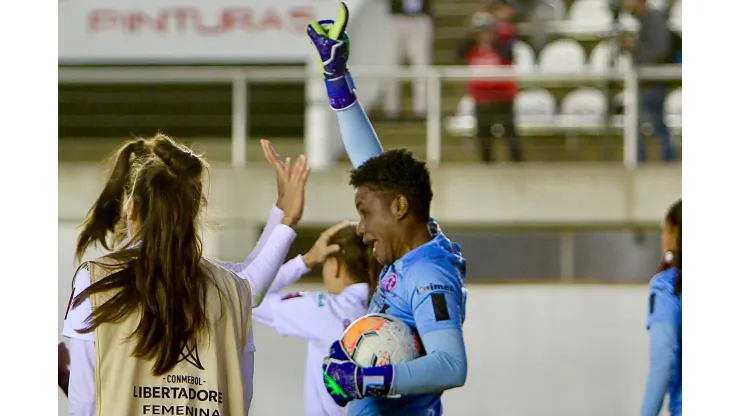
[(341, 91), (375, 381)]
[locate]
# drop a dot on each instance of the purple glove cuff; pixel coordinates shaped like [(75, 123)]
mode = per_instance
[(375, 381), (341, 91)]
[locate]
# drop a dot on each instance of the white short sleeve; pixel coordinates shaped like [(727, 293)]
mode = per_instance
[(75, 317), (304, 315)]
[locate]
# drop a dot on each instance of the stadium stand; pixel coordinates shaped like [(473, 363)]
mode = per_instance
[(202, 113)]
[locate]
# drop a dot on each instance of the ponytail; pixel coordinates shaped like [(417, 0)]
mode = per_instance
[(161, 276), (105, 213)]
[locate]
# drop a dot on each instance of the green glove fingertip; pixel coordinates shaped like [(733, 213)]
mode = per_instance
[(340, 23), (317, 27)]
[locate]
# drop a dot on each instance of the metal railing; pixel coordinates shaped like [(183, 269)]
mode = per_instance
[(241, 77)]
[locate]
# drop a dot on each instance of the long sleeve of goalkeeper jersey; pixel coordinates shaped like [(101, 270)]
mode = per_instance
[(663, 347), (444, 367), (358, 135)]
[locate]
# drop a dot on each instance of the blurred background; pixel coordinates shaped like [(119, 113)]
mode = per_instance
[(552, 129)]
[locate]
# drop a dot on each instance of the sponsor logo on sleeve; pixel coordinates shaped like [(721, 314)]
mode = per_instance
[(434, 288)]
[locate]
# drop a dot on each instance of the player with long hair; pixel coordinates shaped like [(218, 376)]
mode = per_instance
[(105, 222), (154, 326), (350, 275), (664, 323), (422, 279)]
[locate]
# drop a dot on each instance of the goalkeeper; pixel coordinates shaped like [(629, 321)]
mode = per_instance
[(422, 281)]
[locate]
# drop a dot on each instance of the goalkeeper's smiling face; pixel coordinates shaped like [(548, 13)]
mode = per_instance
[(379, 223)]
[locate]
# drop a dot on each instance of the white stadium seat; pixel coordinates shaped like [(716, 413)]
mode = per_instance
[(463, 122), (523, 57), (535, 109), (590, 15), (673, 109), (563, 55), (595, 16), (601, 54), (628, 22), (466, 106), (583, 108)]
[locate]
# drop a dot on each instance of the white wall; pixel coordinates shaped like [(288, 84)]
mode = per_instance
[(469, 195), (532, 350)]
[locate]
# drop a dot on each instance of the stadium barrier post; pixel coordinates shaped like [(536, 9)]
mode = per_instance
[(239, 106), (317, 130), (631, 120), (434, 117)]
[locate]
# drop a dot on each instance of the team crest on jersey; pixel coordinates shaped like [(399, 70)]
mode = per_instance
[(389, 282)]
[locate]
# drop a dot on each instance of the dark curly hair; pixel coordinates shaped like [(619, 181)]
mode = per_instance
[(397, 172)]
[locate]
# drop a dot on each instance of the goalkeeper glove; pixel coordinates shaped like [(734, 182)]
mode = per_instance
[(332, 44), (346, 381)]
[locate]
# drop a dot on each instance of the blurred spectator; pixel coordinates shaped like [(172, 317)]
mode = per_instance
[(653, 45), (414, 35), (491, 44), (483, 16), (63, 367)]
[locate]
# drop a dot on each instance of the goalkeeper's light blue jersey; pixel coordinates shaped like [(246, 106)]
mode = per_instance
[(664, 322), (424, 288)]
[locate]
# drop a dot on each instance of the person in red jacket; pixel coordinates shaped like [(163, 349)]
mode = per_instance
[(492, 44)]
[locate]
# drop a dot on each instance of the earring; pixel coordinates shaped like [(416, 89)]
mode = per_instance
[(668, 257)]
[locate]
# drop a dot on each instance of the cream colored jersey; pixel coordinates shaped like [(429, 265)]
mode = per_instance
[(207, 380)]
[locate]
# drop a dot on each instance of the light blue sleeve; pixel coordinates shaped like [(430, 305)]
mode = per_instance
[(663, 350), (358, 135), (436, 300), (663, 306), (444, 367)]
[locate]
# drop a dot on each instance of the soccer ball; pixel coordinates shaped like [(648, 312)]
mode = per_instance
[(378, 339)]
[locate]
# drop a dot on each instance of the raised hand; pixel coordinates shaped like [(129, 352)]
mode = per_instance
[(321, 248), (293, 200), (331, 42), (277, 163)]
